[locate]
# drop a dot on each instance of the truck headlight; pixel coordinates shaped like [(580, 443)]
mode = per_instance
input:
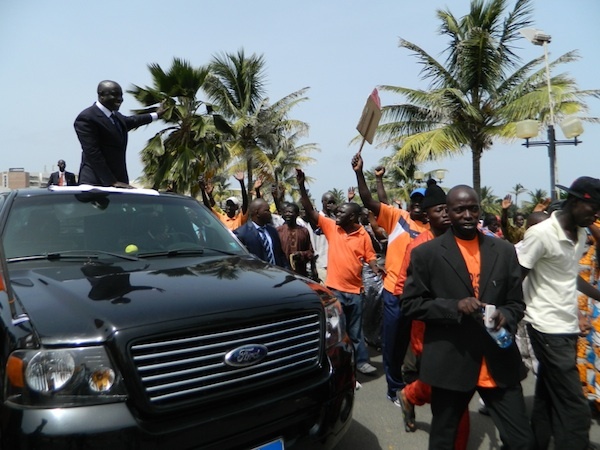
[(335, 320), (335, 324), (62, 377)]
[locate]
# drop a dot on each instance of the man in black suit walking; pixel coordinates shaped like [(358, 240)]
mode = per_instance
[(260, 237), (62, 177), (102, 131), (450, 279)]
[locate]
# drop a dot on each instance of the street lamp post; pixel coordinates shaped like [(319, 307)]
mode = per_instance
[(527, 129)]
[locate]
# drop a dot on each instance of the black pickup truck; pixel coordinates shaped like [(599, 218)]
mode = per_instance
[(132, 319)]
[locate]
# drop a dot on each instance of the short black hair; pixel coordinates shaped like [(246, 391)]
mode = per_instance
[(292, 205)]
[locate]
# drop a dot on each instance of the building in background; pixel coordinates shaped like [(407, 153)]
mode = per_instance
[(18, 178)]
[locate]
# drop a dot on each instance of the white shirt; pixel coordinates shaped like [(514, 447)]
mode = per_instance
[(321, 247), (550, 289), (107, 112)]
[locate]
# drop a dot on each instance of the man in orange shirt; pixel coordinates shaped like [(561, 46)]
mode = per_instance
[(231, 218), (402, 227), (349, 246), (449, 280)]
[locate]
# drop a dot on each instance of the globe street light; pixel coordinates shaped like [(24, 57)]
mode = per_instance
[(527, 129)]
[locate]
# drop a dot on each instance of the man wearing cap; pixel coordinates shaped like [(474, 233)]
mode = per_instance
[(402, 227), (231, 218), (549, 256)]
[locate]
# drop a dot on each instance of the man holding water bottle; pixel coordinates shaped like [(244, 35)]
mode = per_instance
[(449, 282)]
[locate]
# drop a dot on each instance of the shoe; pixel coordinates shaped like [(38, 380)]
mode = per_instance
[(408, 412), (357, 386), (366, 369), (394, 400)]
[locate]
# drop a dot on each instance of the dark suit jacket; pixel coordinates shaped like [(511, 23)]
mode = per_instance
[(69, 179), (248, 235), (103, 144), (455, 344)]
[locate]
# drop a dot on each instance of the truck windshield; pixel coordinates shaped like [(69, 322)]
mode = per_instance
[(118, 223)]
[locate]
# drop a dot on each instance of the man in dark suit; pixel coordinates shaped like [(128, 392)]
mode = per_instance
[(102, 131), (62, 177), (450, 279), (259, 236)]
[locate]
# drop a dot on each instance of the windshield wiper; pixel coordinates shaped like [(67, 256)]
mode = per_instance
[(72, 254), (171, 253), (184, 252)]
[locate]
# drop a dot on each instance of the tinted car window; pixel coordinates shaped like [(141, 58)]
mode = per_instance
[(120, 223)]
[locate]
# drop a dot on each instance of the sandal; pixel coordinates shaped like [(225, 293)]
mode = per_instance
[(408, 412)]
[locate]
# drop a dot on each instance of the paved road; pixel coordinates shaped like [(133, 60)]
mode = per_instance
[(378, 423)]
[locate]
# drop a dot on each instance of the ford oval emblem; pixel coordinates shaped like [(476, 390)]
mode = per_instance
[(246, 355)]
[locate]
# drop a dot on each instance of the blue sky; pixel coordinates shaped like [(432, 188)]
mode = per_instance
[(54, 53)]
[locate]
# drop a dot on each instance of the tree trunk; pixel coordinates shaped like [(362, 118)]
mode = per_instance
[(476, 155), (250, 186)]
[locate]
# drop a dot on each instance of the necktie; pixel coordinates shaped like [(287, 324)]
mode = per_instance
[(262, 234), (113, 118), (61, 179)]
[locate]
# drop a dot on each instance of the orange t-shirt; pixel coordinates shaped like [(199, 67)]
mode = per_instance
[(417, 329), (237, 221), (345, 255), (427, 235), (401, 230), (472, 256)]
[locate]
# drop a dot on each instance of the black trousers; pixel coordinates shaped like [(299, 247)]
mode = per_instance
[(506, 406), (560, 408)]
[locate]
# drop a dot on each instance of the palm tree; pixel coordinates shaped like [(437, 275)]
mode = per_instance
[(266, 138), (517, 190), (536, 197), (279, 142), (236, 85), (489, 202), (339, 195), (480, 91), (192, 142)]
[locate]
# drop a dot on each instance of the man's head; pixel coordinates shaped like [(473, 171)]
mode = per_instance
[(436, 211), (414, 208), (329, 204), (232, 205), (490, 221), (536, 217), (364, 216), (347, 214), (583, 200), (290, 213), (463, 210), (519, 220), (259, 211), (61, 165), (110, 95)]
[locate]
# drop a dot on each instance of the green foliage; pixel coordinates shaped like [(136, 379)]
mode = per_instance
[(265, 140), (489, 202), (192, 143), (536, 196), (479, 92)]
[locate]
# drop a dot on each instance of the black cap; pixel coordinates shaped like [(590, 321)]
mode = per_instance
[(434, 195), (585, 188)]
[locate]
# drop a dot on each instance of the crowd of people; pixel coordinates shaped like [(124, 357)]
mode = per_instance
[(444, 263)]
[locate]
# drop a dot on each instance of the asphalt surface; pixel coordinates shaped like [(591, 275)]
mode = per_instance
[(377, 423)]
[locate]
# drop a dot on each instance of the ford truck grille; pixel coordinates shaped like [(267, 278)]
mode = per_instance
[(193, 366)]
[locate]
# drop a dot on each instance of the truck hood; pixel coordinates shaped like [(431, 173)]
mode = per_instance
[(91, 301)]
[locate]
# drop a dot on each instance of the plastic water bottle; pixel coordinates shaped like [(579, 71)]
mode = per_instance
[(502, 337)]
